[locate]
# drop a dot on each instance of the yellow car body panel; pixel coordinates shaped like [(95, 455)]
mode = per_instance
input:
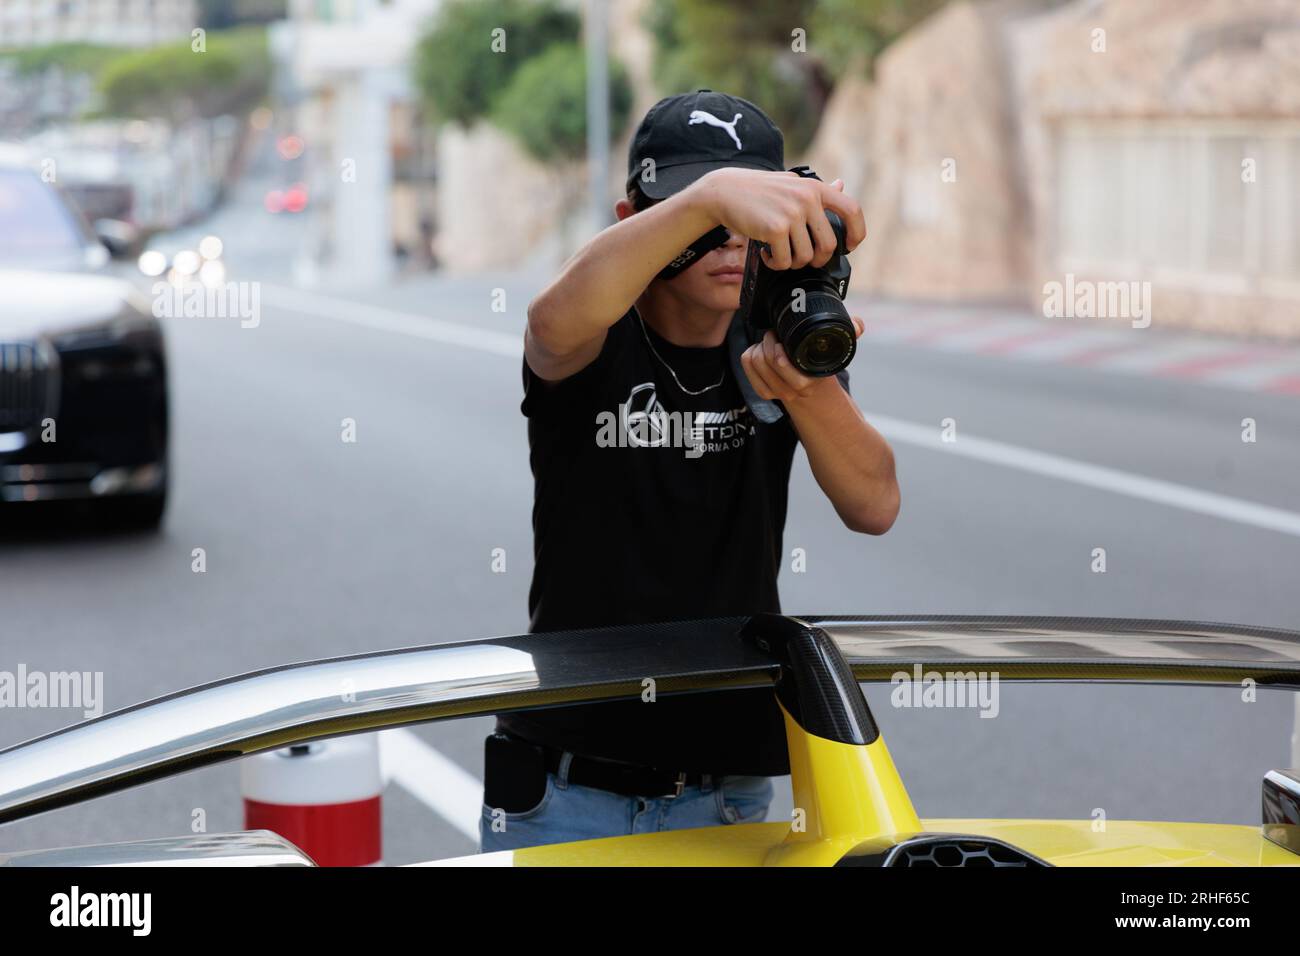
[(1059, 842), (847, 795)]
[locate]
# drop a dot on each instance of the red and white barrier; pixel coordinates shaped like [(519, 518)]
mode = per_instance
[(324, 797)]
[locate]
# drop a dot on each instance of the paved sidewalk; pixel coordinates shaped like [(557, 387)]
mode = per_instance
[(1019, 335)]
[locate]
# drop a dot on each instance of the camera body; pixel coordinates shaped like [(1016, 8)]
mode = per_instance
[(805, 307)]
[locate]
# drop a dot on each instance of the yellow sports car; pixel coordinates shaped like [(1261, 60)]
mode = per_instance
[(851, 807)]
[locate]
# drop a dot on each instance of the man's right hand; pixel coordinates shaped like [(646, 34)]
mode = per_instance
[(780, 209)]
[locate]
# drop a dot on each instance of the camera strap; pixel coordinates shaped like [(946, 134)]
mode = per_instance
[(737, 335), (737, 341), (715, 237)]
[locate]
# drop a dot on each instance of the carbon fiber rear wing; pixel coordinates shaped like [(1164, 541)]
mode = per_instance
[(296, 703), (1064, 649)]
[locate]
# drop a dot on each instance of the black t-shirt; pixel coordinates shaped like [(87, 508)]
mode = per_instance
[(633, 524)]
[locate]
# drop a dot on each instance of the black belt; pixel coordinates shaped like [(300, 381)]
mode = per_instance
[(629, 779)]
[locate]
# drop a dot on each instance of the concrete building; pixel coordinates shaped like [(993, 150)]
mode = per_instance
[(370, 182), (26, 23), (1004, 146)]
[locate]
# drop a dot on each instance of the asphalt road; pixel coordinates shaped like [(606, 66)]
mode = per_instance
[(316, 547)]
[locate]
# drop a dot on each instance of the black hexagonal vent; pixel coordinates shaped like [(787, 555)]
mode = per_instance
[(959, 852)]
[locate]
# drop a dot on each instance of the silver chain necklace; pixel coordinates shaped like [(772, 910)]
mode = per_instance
[(707, 388)]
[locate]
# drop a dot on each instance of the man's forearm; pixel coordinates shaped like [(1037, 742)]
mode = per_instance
[(852, 462), (603, 279), (601, 282)]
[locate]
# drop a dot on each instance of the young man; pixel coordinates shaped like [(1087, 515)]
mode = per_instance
[(649, 528)]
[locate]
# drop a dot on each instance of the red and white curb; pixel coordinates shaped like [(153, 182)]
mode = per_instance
[(323, 797), (1020, 336)]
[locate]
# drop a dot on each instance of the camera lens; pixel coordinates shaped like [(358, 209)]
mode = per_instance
[(823, 340), (823, 351), (825, 348)]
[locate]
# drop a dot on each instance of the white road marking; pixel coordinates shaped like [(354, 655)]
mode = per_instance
[(1093, 476), (1257, 374), (391, 320), (499, 858), (440, 784), (1048, 465)]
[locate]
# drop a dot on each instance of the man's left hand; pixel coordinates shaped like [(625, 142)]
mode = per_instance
[(775, 377)]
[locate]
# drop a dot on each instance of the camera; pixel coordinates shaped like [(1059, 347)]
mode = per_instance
[(805, 307)]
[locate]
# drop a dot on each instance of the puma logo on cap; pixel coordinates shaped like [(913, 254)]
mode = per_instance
[(704, 116)]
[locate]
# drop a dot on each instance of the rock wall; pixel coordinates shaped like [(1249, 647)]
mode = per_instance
[(954, 149), (1164, 62), (496, 207), (945, 211)]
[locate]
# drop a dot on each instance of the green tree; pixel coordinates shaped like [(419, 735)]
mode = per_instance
[(86, 58), (173, 80), (545, 105), (743, 49), (749, 49), (457, 69), (849, 34)]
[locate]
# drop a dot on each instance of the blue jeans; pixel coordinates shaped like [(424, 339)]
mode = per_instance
[(569, 811)]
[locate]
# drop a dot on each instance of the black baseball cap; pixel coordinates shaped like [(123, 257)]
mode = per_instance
[(691, 134)]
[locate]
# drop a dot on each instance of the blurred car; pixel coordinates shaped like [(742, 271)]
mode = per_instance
[(291, 199), (184, 257), (83, 383)]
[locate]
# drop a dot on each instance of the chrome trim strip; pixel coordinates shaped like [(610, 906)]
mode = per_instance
[(63, 482), (247, 848), (62, 491), (51, 471)]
